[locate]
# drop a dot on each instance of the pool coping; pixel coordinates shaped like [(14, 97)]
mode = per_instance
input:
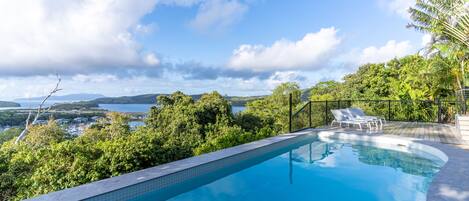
[(450, 183)]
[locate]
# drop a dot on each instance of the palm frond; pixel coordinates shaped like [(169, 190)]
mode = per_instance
[(460, 31)]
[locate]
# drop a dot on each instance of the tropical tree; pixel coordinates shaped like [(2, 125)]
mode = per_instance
[(447, 22), (273, 110), (430, 16)]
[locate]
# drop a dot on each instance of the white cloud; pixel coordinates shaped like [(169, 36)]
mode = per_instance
[(390, 50), (101, 78), (70, 36), (180, 2), (151, 59), (281, 77), (399, 7), (218, 15), (145, 28), (25, 87), (307, 53)]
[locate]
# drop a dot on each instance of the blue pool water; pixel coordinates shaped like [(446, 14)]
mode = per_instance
[(315, 171)]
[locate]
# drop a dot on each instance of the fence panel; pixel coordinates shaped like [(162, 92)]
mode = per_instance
[(318, 113)]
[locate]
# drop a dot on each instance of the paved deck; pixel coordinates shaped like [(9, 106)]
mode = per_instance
[(443, 133)]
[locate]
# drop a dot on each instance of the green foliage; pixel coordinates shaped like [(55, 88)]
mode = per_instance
[(44, 135), (222, 137), (50, 160), (9, 134), (18, 117), (115, 125), (81, 105), (327, 90), (448, 23), (409, 78), (273, 110)]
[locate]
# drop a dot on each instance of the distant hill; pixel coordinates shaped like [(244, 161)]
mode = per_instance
[(66, 98), (9, 104), (139, 99), (151, 99)]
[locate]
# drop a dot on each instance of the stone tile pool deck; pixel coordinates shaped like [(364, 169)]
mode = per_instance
[(450, 184)]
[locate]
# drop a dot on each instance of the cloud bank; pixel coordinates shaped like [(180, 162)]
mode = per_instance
[(78, 37), (307, 53), (390, 50), (46, 36), (376, 54)]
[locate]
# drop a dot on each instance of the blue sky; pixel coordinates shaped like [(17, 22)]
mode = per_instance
[(237, 47), (361, 24)]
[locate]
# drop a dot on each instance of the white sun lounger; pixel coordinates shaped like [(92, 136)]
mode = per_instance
[(341, 118), (358, 113)]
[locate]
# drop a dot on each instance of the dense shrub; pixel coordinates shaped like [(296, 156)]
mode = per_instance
[(49, 159)]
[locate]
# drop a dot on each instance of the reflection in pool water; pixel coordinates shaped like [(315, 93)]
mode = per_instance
[(315, 171)]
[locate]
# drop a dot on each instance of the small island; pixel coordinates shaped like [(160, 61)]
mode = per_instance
[(9, 104)]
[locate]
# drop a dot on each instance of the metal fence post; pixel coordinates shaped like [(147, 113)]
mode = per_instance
[(290, 113), (463, 106), (310, 114), (439, 110), (325, 114), (389, 110)]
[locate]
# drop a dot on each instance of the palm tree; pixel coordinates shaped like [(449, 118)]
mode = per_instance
[(459, 30), (434, 16), (448, 23)]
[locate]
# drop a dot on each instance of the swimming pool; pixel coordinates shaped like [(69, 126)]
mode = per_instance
[(313, 170)]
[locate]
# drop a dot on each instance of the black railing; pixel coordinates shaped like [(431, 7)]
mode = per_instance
[(318, 113)]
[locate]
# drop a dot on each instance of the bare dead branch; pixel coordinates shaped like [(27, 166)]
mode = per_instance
[(39, 111)]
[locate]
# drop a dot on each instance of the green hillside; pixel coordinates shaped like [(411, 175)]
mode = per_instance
[(151, 99), (9, 104)]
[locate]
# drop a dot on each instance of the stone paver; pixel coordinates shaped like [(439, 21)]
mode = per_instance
[(452, 181)]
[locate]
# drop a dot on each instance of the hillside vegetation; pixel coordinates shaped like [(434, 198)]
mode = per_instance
[(49, 159)]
